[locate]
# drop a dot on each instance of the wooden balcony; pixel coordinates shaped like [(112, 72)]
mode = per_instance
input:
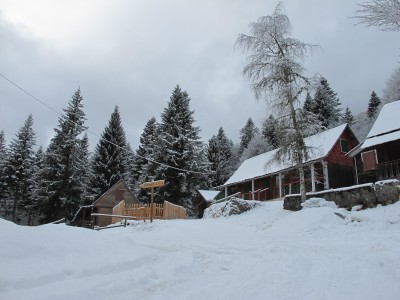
[(388, 170)]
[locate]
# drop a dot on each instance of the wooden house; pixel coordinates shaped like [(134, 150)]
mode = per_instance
[(106, 202), (261, 178), (378, 157), (204, 199)]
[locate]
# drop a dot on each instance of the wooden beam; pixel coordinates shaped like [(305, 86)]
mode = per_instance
[(326, 174), (312, 178)]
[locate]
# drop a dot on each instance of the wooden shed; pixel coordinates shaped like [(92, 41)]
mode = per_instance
[(260, 178), (106, 202), (203, 200)]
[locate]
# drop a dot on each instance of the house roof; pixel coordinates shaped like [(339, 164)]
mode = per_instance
[(263, 164), (106, 201), (208, 195), (385, 129)]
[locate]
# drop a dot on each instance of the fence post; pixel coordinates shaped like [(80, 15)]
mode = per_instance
[(151, 205)]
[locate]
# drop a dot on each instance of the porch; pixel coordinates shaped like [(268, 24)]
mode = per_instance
[(279, 185)]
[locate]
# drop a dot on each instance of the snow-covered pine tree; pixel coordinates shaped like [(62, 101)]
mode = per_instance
[(348, 116), (178, 149), (61, 189), (130, 166), (19, 169), (3, 148), (391, 92), (373, 105), (3, 184), (144, 167), (327, 105), (84, 170), (270, 131), (33, 208), (109, 157), (246, 134), (308, 105), (258, 145), (220, 156)]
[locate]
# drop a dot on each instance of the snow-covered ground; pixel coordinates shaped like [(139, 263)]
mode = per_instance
[(266, 253)]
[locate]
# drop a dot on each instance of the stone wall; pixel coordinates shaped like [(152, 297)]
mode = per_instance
[(368, 195)]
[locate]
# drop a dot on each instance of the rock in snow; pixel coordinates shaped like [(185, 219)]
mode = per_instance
[(233, 206)]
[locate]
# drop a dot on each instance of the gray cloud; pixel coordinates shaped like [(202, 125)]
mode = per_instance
[(133, 53)]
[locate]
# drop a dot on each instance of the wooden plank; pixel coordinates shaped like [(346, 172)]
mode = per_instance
[(152, 184)]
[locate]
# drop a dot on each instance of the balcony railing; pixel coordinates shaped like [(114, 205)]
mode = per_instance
[(388, 170)]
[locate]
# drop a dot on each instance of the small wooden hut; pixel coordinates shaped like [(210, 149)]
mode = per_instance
[(106, 202)]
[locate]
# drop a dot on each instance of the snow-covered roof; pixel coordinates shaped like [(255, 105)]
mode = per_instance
[(208, 195), (385, 129), (260, 165)]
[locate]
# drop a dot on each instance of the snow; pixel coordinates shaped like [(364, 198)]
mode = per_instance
[(257, 166), (318, 202), (266, 253)]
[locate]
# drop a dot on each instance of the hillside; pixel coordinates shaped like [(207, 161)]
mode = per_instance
[(267, 253)]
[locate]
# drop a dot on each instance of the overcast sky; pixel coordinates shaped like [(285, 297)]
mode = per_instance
[(132, 54)]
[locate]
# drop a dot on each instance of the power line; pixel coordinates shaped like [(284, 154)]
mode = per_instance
[(98, 136)]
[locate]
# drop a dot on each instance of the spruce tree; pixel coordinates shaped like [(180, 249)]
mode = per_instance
[(373, 105), (3, 148), (270, 131), (179, 149), (33, 208), (246, 134), (62, 184), (84, 170), (19, 169), (109, 157), (327, 105), (348, 116), (308, 105), (129, 166), (220, 156), (3, 183), (144, 168)]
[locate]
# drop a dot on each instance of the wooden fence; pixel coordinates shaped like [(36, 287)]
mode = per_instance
[(142, 211), (165, 211), (172, 211)]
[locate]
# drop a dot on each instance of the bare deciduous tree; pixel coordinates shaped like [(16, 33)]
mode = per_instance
[(275, 68), (384, 14)]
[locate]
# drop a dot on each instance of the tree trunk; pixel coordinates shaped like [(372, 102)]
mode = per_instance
[(302, 183), (299, 149)]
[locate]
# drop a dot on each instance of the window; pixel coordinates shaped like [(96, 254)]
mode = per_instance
[(344, 145), (369, 160)]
